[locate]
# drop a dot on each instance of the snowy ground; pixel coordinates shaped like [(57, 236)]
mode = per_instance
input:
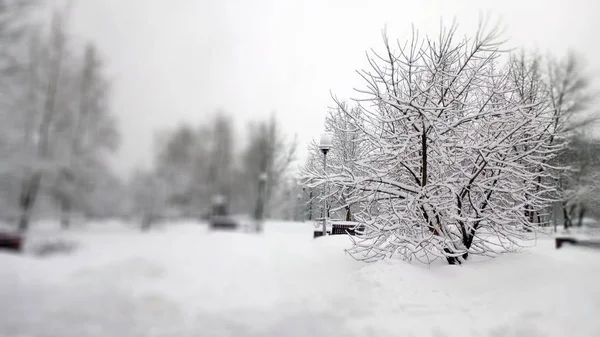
[(186, 281)]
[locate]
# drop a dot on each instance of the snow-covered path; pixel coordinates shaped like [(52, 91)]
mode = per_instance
[(186, 281)]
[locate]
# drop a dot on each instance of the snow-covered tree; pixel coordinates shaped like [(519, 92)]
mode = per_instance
[(565, 88), (59, 130), (149, 194), (86, 136), (45, 65), (291, 204), (14, 28), (268, 152), (221, 160), (107, 199), (196, 164), (455, 156), (15, 24), (345, 126), (175, 164), (580, 186)]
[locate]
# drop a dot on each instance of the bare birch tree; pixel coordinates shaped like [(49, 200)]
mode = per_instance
[(88, 134), (46, 63), (60, 113), (268, 152), (15, 24)]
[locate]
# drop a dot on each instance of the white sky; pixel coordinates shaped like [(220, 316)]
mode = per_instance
[(181, 60)]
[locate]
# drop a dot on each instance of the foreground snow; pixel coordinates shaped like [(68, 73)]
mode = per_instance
[(186, 281)]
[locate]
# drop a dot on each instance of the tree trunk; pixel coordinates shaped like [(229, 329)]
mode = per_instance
[(468, 241), (310, 206), (529, 216), (65, 213), (259, 210), (27, 200), (566, 217), (581, 215), (348, 214), (451, 259), (146, 223)]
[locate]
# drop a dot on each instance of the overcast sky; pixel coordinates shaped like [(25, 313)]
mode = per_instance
[(180, 60)]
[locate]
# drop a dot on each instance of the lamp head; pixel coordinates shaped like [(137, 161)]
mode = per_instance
[(326, 142)]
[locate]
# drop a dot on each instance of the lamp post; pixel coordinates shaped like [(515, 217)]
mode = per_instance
[(325, 145)]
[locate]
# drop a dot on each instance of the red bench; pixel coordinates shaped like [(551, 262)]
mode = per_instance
[(9, 241)]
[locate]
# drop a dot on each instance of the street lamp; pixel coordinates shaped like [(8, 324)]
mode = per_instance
[(325, 145)]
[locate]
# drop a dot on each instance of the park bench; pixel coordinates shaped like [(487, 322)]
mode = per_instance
[(588, 235), (220, 218), (592, 243), (10, 241), (222, 222), (338, 227)]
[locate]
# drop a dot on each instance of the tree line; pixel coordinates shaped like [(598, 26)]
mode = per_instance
[(57, 131), (194, 164)]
